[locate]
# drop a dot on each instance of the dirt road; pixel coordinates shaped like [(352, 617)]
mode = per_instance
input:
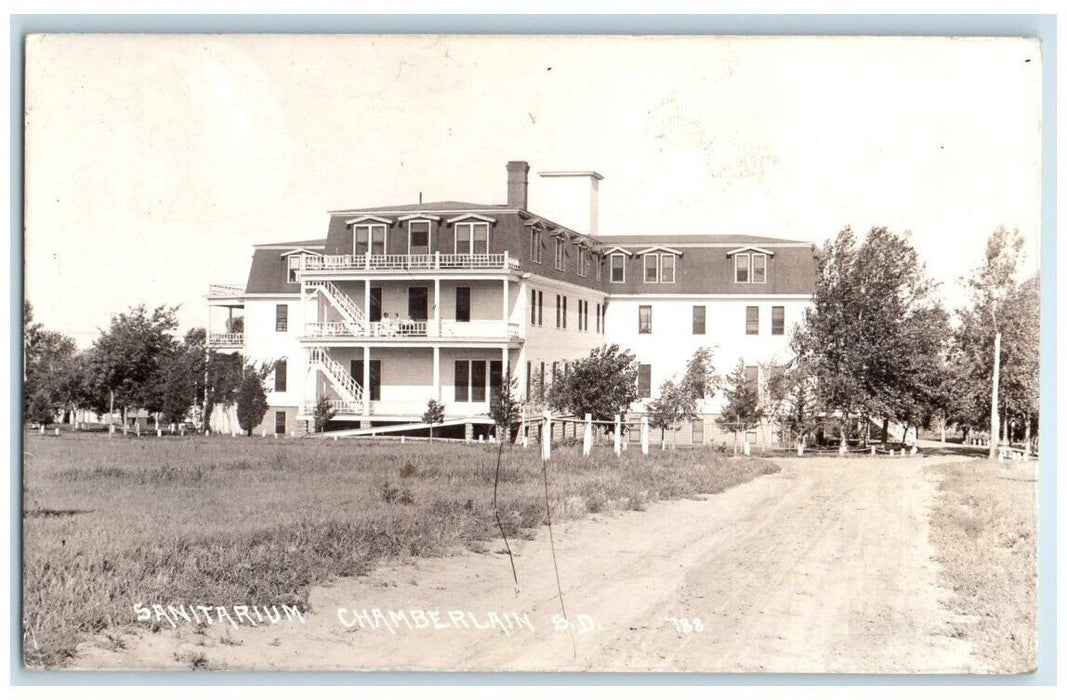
[(825, 566)]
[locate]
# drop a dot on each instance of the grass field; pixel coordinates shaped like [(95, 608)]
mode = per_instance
[(984, 527), (113, 522)]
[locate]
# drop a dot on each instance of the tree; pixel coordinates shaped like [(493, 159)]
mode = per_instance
[(675, 404), (435, 414), (182, 377), (49, 358), (603, 384), (1000, 302), (700, 379), (251, 401), (873, 336), (323, 414), (504, 407), (742, 410), (130, 357), (224, 374), (790, 398)]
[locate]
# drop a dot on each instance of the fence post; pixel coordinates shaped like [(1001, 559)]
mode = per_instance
[(546, 436), (872, 450), (587, 436), (644, 435), (618, 435)]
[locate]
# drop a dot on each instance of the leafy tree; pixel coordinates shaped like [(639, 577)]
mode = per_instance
[(742, 410), (183, 376), (790, 398), (1000, 302), (505, 408), (675, 404), (872, 339), (604, 383), (224, 374), (49, 358), (235, 324), (130, 356), (700, 379), (323, 414), (251, 401), (434, 415)]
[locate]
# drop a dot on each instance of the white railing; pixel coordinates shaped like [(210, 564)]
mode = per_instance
[(225, 290), (339, 406), (416, 329), (341, 301), (430, 261), (342, 381), (215, 339)]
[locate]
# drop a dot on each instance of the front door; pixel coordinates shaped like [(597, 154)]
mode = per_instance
[(418, 303)]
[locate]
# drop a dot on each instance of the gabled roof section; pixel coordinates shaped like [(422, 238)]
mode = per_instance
[(313, 244), (361, 219), (663, 248), (617, 249), (298, 251), (478, 217), (419, 217), (747, 248)]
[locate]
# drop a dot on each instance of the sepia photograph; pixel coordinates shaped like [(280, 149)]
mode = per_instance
[(531, 353)]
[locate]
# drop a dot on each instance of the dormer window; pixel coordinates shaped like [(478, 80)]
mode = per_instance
[(618, 267), (295, 263), (472, 238), (369, 238), (535, 244), (659, 267), (583, 263), (418, 238), (750, 265), (561, 254)]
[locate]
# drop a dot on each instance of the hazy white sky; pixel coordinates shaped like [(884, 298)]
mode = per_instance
[(153, 163)]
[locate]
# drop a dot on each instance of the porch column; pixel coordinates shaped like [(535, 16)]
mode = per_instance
[(437, 374), (505, 306), (520, 373), (436, 319), (366, 378), (503, 362)]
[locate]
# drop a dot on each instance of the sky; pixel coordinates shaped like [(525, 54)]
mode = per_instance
[(154, 163)]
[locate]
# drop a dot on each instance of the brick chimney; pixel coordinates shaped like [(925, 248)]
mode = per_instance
[(518, 183)]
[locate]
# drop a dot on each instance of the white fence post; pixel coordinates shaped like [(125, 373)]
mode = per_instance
[(644, 435), (618, 435), (546, 436), (587, 436)]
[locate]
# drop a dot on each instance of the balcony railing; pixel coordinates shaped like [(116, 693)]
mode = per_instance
[(216, 340), (430, 261), (225, 290), (339, 406), (415, 329)]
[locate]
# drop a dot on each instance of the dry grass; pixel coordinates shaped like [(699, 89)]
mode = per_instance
[(113, 522), (984, 528)]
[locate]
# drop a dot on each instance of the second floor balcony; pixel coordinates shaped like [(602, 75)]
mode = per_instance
[(401, 330), (428, 261), (225, 340)]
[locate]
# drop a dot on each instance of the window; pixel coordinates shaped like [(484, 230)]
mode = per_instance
[(470, 378), (750, 267), (585, 313), (751, 320), (651, 267), (279, 422), (598, 318), (583, 263), (759, 268), (559, 309), (618, 267), (472, 238), (777, 320), (741, 262), (698, 431), (666, 268), (294, 264), (369, 237), (580, 303), (597, 263), (533, 307), (561, 253), (279, 375), (281, 318), (540, 308), (535, 244), (564, 312), (752, 376), (529, 367), (418, 303), (644, 381), (541, 383), (700, 320), (496, 378), (418, 238), (644, 319), (463, 304)]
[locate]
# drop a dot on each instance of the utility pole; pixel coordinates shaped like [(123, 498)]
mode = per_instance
[(994, 415)]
